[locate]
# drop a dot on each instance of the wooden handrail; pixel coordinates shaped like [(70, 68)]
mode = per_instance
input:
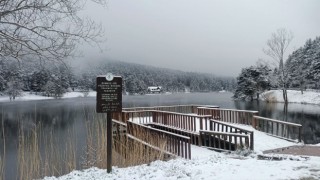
[(232, 129), (119, 122), (276, 127), (229, 115), (235, 110), (277, 121), (168, 112), (224, 140), (161, 131), (175, 143), (224, 133), (190, 108)]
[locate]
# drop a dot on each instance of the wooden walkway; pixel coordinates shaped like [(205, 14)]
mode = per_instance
[(209, 126)]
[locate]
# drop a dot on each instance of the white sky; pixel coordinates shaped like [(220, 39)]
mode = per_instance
[(212, 36)]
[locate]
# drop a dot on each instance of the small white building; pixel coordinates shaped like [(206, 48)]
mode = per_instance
[(154, 89)]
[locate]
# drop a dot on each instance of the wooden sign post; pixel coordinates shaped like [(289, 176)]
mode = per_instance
[(109, 100)]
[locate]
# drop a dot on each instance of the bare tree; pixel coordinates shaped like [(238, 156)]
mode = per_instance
[(276, 48), (44, 29)]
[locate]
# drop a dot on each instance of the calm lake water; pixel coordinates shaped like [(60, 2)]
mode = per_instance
[(65, 114)]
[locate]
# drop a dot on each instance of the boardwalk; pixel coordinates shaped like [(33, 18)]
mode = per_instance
[(208, 126)]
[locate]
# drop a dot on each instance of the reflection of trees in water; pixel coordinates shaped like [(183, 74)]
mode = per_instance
[(60, 117), (57, 119)]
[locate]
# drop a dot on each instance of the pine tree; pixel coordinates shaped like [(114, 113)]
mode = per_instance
[(252, 81)]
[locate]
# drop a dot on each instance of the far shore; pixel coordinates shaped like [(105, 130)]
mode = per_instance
[(294, 96), (272, 96)]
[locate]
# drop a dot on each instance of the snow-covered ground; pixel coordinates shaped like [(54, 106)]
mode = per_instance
[(26, 96), (207, 164), (308, 97)]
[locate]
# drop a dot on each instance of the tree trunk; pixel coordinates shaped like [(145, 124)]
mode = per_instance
[(285, 95)]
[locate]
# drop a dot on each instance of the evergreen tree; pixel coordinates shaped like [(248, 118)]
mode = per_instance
[(303, 66), (252, 81)]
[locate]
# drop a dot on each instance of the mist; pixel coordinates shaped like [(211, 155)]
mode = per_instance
[(209, 36)]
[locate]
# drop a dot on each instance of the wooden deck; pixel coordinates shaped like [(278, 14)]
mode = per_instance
[(210, 126)]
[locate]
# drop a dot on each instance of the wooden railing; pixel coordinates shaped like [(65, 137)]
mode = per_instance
[(187, 109), (142, 117), (218, 126), (170, 142), (176, 108), (194, 136), (229, 115), (201, 122), (223, 140), (187, 122), (118, 127), (184, 123), (278, 128)]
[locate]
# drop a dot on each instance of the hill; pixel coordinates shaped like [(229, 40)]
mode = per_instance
[(138, 77)]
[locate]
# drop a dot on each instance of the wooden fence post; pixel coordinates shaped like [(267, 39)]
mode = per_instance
[(254, 121), (300, 134), (252, 140)]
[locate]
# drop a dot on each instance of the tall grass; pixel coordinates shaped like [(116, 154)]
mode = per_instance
[(3, 155), (41, 153)]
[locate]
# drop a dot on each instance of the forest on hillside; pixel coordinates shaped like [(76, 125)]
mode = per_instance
[(53, 79), (301, 72)]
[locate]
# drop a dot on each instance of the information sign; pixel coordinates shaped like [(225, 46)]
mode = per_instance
[(109, 94)]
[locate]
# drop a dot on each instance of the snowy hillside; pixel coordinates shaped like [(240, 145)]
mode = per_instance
[(308, 97)]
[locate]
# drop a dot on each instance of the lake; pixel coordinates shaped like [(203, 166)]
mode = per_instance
[(65, 115)]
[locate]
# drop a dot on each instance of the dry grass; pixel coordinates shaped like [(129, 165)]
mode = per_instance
[(53, 161), (140, 153), (42, 154), (29, 157), (126, 152), (3, 155)]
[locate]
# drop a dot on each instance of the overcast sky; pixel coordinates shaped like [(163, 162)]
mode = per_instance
[(212, 36)]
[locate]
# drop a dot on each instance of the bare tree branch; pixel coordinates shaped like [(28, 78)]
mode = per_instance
[(45, 29), (276, 48)]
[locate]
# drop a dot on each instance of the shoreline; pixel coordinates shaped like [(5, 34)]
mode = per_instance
[(294, 96), (272, 96)]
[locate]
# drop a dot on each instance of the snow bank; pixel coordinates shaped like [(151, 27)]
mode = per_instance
[(27, 96), (79, 94), (212, 166), (207, 164), (308, 97)]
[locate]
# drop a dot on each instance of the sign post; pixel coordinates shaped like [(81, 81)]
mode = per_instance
[(109, 100)]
